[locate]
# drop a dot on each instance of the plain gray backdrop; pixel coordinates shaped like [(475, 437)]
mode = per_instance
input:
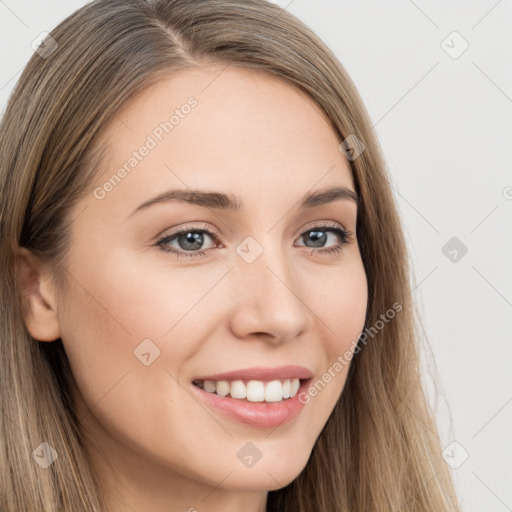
[(436, 78)]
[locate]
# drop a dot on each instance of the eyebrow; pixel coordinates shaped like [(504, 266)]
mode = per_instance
[(221, 201)]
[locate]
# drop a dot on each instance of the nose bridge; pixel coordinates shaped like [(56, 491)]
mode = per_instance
[(268, 299)]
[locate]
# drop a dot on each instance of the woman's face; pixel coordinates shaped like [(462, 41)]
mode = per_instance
[(253, 291)]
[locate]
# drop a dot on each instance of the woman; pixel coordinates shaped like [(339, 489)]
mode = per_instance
[(206, 299)]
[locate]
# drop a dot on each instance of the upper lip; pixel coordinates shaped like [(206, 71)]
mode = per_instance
[(262, 373)]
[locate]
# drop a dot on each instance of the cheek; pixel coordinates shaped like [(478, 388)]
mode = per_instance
[(132, 296), (120, 308), (107, 318), (340, 304)]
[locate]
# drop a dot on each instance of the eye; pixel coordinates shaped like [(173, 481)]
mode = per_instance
[(317, 234), (189, 239)]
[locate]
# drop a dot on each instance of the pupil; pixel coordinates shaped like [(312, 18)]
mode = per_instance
[(193, 237), (320, 237)]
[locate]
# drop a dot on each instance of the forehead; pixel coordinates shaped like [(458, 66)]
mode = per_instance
[(222, 127)]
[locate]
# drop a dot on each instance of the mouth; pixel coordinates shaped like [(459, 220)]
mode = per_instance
[(259, 397), (252, 390)]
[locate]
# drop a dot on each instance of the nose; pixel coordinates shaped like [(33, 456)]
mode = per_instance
[(269, 299)]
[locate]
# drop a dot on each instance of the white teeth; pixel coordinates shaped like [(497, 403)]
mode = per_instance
[(238, 389), (253, 390), (222, 387), (294, 387), (286, 389), (273, 391), (209, 385)]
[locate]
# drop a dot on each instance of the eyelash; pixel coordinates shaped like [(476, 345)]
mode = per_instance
[(344, 235)]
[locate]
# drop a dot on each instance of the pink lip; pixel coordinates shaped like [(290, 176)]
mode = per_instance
[(254, 414), (262, 373)]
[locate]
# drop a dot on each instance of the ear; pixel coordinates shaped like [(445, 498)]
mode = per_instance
[(39, 301)]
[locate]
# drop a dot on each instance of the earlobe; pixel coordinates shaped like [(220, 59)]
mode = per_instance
[(39, 301)]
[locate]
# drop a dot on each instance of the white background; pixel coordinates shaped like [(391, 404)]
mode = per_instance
[(445, 125)]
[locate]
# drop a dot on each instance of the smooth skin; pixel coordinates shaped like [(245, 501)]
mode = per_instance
[(268, 143)]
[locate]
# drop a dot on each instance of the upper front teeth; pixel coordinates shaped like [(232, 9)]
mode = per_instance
[(254, 390)]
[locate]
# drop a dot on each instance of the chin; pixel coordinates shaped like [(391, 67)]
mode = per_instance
[(269, 473)]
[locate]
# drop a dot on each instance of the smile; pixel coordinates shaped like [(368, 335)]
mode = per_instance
[(252, 390), (258, 397)]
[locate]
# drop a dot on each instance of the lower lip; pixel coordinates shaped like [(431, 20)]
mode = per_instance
[(255, 414)]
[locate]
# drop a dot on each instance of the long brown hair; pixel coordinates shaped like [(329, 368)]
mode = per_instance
[(380, 448)]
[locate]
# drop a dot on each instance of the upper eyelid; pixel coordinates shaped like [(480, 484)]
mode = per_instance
[(216, 234), (206, 228)]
